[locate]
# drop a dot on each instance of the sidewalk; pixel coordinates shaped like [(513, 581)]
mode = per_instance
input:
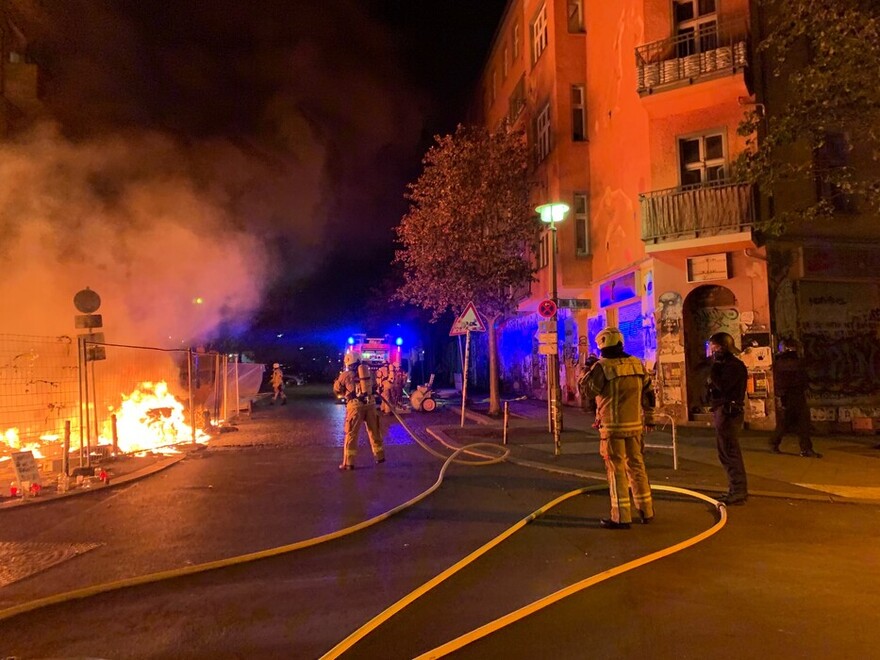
[(848, 471)]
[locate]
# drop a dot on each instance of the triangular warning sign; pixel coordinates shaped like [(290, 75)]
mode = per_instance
[(468, 320)]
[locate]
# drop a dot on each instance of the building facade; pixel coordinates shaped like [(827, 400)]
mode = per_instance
[(632, 108)]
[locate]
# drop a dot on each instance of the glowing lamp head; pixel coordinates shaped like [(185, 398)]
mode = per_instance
[(198, 300), (399, 341), (351, 341), (553, 212)]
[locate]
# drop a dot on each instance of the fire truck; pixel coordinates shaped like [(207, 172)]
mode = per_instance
[(374, 351)]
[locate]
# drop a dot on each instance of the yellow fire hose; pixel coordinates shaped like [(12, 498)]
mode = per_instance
[(477, 450)]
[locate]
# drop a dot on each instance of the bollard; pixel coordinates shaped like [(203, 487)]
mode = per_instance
[(557, 423), (65, 457), (115, 435), (506, 423)]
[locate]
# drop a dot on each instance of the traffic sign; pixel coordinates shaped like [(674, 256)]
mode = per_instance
[(548, 349), (548, 337), (575, 303), (468, 321), (547, 308)]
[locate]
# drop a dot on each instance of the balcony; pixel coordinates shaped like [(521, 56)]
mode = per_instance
[(700, 211), (716, 50)]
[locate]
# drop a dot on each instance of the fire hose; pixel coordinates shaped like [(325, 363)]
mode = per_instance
[(478, 454)]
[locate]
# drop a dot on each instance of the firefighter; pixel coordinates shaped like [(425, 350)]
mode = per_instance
[(277, 380), (728, 379), (385, 382), (624, 398), (792, 413), (398, 380), (355, 384)]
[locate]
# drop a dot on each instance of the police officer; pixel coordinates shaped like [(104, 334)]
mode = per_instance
[(624, 393), (792, 413), (355, 384), (727, 393), (277, 380)]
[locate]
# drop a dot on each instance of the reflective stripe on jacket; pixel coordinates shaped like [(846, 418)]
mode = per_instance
[(619, 385)]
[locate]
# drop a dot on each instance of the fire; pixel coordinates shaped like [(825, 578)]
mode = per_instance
[(10, 437), (151, 419)]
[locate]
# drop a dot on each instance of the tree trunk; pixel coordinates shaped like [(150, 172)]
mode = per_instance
[(494, 390)]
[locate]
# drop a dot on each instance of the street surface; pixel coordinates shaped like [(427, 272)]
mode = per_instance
[(785, 578)]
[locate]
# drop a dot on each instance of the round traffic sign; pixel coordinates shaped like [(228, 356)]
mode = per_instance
[(547, 308), (87, 301)]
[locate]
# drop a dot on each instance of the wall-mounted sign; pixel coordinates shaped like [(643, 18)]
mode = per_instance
[(575, 303), (617, 290), (708, 267)]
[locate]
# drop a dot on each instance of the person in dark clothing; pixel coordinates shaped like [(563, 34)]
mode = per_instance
[(792, 413), (727, 393)]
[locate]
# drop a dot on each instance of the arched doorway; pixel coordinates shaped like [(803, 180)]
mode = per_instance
[(707, 309)]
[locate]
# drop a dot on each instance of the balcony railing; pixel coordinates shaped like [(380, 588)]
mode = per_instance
[(715, 50), (709, 209)]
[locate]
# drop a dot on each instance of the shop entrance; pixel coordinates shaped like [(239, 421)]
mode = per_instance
[(707, 309)]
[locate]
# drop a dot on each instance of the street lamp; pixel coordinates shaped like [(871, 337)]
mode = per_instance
[(552, 213)]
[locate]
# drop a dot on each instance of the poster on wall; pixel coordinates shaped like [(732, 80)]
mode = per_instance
[(671, 375), (670, 310)]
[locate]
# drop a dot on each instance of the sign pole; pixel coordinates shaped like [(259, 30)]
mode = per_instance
[(464, 375)]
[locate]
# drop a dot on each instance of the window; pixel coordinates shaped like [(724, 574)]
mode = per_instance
[(581, 224), (578, 114), (540, 37), (494, 88), (517, 99), (505, 62), (696, 26), (515, 40), (702, 159), (830, 161), (575, 15), (543, 253), (542, 133)]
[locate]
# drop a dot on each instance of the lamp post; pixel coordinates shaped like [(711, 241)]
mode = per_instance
[(552, 213)]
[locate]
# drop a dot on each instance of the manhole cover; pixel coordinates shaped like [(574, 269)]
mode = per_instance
[(21, 560)]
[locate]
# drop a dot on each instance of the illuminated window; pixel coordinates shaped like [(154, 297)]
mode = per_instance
[(515, 40), (540, 37), (702, 159), (505, 62), (581, 224), (542, 133), (575, 15), (578, 114), (494, 85), (696, 26)]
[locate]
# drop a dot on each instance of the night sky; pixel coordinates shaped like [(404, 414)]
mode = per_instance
[(301, 121)]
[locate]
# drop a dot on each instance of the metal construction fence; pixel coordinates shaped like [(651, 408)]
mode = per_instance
[(57, 391)]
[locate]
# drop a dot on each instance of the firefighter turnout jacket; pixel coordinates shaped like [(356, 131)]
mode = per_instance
[(624, 393)]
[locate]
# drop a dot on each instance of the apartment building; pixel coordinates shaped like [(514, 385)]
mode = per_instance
[(659, 240), (20, 104), (535, 77)]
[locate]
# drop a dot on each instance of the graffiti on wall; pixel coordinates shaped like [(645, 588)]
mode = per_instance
[(709, 320), (839, 325)]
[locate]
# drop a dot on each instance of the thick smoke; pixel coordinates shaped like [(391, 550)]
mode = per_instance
[(190, 155)]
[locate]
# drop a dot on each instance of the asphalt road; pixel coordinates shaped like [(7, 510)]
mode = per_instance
[(783, 579)]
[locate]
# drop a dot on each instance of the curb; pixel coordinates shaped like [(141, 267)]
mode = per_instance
[(123, 479), (808, 497)]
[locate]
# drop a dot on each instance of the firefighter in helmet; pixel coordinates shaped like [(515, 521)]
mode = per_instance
[(356, 385), (277, 380), (384, 381), (624, 397)]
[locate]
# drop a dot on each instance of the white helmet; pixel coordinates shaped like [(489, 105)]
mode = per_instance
[(276, 366), (610, 336), (351, 358)]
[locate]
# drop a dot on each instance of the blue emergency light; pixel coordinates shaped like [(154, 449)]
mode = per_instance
[(399, 341)]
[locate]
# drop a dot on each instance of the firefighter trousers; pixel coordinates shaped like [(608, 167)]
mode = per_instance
[(625, 467), (358, 414)]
